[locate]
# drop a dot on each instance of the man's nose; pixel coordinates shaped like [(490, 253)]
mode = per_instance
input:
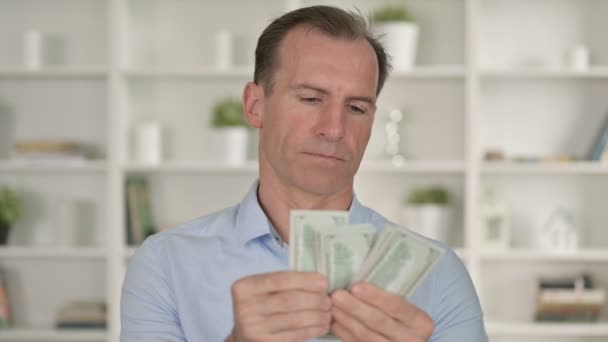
[(331, 122)]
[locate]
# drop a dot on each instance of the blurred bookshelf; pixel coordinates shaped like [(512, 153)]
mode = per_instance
[(477, 85)]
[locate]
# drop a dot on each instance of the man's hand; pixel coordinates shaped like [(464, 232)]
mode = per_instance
[(370, 314), (281, 306)]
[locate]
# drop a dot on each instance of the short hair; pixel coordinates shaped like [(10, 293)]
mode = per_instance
[(332, 21)]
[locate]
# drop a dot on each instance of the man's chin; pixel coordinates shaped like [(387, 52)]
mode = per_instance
[(321, 184)]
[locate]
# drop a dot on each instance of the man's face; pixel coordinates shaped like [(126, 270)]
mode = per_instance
[(318, 119)]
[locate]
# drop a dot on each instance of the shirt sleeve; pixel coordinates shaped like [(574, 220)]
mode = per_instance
[(459, 316), (147, 310)]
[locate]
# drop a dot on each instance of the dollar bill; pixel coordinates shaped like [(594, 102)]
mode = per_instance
[(402, 263), (342, 251), (302, 223)]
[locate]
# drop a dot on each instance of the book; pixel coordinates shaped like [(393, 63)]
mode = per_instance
[(134, 225), (5, 312), (571, 299), (564, 296), (82, 315), (600, 144), (140, 220), (583, 281)]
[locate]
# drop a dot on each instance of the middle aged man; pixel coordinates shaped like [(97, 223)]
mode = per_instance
[(318, 73)]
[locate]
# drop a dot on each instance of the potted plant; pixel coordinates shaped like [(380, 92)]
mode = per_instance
[(229, 121), (10, 211), (399, 32), (428, 212)]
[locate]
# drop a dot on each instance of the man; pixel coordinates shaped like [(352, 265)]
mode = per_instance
[(223, 276)]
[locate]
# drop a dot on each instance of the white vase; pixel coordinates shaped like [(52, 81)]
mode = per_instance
[(430, 220), (148, 143), (32, 49), (224, 49), (401, 42), (234, 142)]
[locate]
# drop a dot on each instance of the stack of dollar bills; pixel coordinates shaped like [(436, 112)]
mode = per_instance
[(393, 259)]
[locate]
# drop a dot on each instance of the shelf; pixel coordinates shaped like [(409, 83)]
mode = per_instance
[(547, 329), (52, 335), (194, 72), (582, 255), (52, 166), (52, 252), (576, 168), (438, 166), (595, 72), (252, 166), (430, 72), (64, 72), (245, 72), (193, 166)]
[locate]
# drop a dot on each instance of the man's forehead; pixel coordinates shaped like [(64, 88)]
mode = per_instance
[(301, 40)]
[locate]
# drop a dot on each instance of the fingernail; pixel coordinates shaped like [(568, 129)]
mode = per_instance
[(339, 296), (357, 289)]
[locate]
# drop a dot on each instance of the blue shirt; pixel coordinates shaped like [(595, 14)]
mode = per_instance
[(177, 286)]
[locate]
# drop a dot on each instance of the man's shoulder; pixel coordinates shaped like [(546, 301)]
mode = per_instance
[(214, 227)]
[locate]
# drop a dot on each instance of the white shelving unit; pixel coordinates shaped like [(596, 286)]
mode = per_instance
[(478, 84)]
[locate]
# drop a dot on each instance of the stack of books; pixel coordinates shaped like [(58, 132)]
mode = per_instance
[(83, 315), (50, 150), (569, 300)]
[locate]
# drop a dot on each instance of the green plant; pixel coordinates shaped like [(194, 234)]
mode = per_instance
[(228, 112), (10, 206), (391, 13), (431, 195)]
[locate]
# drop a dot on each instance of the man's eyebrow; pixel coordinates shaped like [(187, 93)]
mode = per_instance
[(307, 86)]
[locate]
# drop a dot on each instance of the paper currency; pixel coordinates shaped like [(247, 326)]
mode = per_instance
[(341, 252), (302, 225), (401, 263), (396, 259)]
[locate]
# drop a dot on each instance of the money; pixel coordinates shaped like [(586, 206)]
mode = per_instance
[(395, 259), (302, 224), (401, 263), (341, 251)]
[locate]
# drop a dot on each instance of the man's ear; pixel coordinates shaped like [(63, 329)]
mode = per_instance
[(253, 106)]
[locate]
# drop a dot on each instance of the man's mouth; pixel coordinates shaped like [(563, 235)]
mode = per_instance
[(324, 156)]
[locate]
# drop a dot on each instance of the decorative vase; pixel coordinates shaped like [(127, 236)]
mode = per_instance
[(494, 222), (4, 230), (401, 41), (148, 143), (430, 220), (234, 142)]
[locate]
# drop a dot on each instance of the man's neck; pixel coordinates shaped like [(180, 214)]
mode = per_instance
[(278, 199)]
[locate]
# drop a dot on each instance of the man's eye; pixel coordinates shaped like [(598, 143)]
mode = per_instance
[(310, 99), (357, 109)]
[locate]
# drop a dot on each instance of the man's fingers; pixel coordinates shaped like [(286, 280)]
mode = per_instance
[(303, 334), (368, 315), (342, 332), (278, 281), (394, 306), (286, 301), (298, 320), (355, 327)]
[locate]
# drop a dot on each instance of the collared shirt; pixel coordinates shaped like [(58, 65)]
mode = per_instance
[(177, 286)]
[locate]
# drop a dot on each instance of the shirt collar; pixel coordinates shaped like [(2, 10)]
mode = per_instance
[(252, 222)]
